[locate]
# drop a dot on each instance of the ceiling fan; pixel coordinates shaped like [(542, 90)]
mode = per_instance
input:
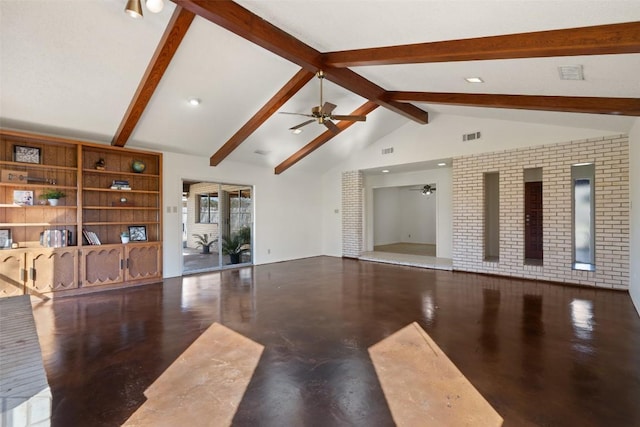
[(427, 190), (322, 114)]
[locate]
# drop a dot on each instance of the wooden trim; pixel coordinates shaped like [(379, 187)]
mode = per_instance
[(249, 26), (573, 104), (169, 43), (363, 110), (292, 87), (595, 40)]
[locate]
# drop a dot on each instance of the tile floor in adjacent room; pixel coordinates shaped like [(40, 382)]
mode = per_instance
[(539, 353)]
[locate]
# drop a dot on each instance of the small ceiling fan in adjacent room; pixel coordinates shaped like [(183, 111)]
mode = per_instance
[(322, 114), (427, 190)]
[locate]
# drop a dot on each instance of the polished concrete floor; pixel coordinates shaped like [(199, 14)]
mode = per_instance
[(540, 354)]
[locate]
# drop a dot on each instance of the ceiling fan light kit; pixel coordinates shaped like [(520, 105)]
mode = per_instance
[(322, 114)]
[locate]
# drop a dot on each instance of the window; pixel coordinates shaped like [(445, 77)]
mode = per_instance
[(208, 208), (583, 209)]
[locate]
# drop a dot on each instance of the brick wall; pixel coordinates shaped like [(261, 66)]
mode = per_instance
[(611, 158), (352, 213)]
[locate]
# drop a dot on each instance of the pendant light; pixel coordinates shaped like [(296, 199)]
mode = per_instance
[(134, 9)]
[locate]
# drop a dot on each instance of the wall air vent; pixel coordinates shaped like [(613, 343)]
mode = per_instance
[(387, 150), (471, 136)]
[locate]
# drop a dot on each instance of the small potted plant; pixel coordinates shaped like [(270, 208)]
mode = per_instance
[(234, 246), (124, 237), (52, 196), (202, 241)]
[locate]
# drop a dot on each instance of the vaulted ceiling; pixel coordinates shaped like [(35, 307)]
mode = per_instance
[(85, 69)]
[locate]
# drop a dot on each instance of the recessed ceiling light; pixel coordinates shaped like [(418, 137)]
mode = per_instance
[(194, 101), (442, 164), (385, 170), (297, 131), (474, 80)]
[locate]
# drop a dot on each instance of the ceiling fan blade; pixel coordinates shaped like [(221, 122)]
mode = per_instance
[(331, 126), (349, 118), (327, 108), (302, 124), (295, 114)]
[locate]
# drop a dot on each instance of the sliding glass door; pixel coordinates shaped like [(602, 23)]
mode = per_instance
[(217, 226)]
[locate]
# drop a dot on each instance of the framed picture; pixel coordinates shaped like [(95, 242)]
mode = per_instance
[(23, 198), (137, 233), (24, 154), (5, 238)]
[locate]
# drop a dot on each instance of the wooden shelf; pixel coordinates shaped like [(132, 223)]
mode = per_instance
[(37, 224), (133, 208), (108, 172), (121, 223), (38, 166), (109, 190), (95, 207)]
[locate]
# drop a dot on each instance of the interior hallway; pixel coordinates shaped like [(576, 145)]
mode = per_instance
[(541, 354)]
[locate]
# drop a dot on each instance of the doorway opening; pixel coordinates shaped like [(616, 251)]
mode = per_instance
[(404, 220), (217, 225), (533, 217)]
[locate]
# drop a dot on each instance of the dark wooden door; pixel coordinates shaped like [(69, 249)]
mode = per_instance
[(533, 220)]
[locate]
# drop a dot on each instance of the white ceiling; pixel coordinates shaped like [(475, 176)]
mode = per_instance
[(72, 67)]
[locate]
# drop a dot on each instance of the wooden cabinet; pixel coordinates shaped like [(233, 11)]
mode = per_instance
[(51, 270), (107, 191), (38, 271), (111, 264), (11, 273)]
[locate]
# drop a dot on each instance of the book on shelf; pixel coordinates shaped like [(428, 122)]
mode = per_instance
[(91, 237), (120, 184), (56, 238)]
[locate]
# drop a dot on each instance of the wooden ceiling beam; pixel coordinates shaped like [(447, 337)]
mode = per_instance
[(296, 83), (169, 43), (249, 26), (318, 142), (572, 104), (595, 40)]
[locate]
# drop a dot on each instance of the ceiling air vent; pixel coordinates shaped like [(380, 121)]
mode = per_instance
[(262, 152), (571, 72), (471, 136), (387, 150)]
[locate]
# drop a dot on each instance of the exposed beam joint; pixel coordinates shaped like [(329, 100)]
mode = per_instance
[(249, 26), (296, 83), (572, 104), (595, 40), (169, 43), (318, 142)]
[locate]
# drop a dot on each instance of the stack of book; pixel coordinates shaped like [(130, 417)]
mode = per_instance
[(118, 184), (91, 237), (55, 238)]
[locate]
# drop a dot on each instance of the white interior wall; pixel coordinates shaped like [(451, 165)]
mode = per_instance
[(386, 216), (440, 139), (417, 216), (287, 208), (441, 177), (634, 220), (403, 215)]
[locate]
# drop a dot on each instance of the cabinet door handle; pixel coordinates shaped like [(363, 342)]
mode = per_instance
[(32, 273), (23, 275), (121, 264), (128, 259)]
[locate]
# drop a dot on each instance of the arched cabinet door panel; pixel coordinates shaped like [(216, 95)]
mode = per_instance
[(102, 265), (50, 270)]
